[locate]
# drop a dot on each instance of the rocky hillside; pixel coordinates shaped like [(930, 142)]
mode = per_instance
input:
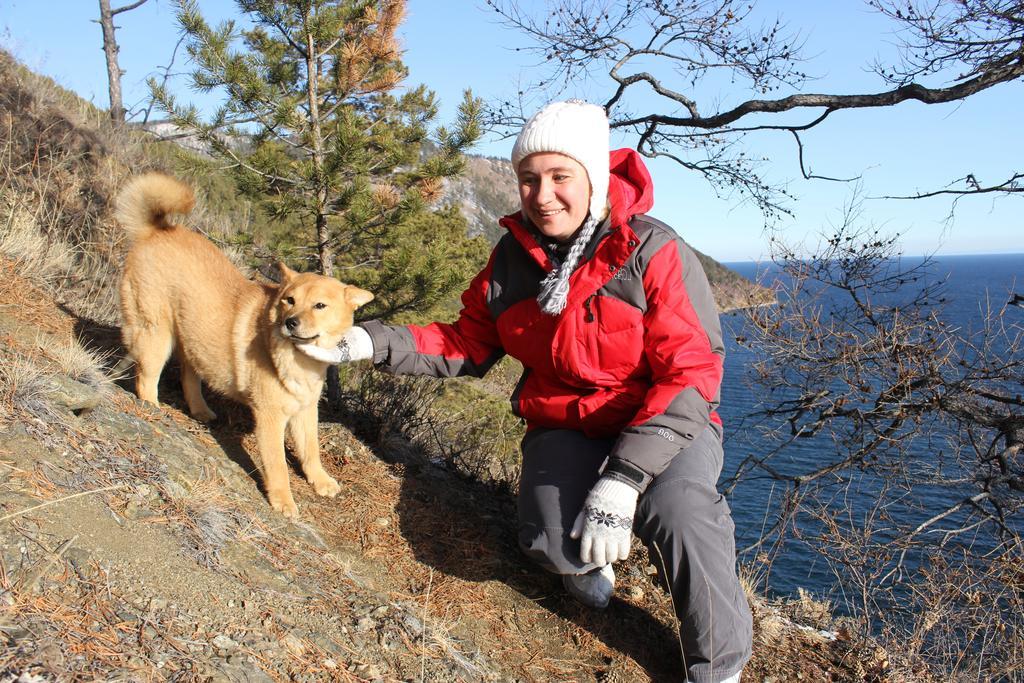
[(136, 544), (487, 192)]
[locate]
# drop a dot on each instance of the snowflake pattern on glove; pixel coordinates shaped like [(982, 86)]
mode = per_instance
[(344, 350), (355, 344), (608, 519)]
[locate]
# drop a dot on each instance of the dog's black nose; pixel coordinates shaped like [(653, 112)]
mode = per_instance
[(291, 323)]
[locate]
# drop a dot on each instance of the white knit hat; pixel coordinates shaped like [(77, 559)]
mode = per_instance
[(578, 130)]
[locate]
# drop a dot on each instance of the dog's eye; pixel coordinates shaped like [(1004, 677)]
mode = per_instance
[(319, 305), (290, 301)]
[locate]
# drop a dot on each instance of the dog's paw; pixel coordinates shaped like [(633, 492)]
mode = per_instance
[(205, 415), (283, 503), (325, 486)]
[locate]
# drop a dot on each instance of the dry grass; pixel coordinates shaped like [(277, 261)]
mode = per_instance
[(31, 254), (61, 163), (424, 534), (442, 544), (56, 177), (24, 387), (208, 518), (28, 302), (87, 366)]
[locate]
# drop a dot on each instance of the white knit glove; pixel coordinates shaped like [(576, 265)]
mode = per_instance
[(355, 344), (605, 524)]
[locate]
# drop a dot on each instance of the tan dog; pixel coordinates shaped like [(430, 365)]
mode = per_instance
[(180, 294)]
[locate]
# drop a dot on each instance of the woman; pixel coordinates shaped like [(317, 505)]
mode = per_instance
[(612, 317)]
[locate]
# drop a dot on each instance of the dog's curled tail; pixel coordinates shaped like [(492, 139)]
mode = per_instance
[(147, 202)]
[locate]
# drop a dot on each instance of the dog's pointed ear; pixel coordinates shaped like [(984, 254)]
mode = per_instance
[(285, 272), (357, 297)]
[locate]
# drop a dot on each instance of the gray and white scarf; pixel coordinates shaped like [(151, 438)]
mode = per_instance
[(554, 288)]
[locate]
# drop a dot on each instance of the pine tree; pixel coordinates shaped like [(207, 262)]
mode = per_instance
[(317, 124)]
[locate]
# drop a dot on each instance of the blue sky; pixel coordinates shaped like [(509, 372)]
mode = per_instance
[(453, 45)]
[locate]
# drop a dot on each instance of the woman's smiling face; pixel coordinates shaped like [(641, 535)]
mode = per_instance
[(554, 191)]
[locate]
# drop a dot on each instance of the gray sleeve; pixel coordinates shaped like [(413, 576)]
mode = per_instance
[(394, 351), (645, 451)]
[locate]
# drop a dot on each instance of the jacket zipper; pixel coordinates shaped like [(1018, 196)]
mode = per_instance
[(589, 317)]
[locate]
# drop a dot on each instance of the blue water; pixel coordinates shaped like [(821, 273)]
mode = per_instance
[(973, 285)]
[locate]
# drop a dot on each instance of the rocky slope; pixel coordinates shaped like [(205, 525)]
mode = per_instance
[(136, 544)]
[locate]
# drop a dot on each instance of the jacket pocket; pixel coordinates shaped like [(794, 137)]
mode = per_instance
[(514, 400), (606, 412), (607, 341)]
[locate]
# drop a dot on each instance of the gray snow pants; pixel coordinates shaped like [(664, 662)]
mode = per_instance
[(681, 512)]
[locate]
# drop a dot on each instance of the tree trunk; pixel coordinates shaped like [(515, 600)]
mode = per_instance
[(324, 254), (326, 266), (323, 248), (110, 48)]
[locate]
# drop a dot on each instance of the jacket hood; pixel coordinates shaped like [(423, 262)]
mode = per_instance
[(630, 189)]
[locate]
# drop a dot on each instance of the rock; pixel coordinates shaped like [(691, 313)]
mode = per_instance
[(51, 656), (77, 397), (132, 510), (174, 490), (224, 643), (413, 625), (308, 534), (294, 644), (368, 672), (80, 560), (240, 673), (126, 616), (27, 677)]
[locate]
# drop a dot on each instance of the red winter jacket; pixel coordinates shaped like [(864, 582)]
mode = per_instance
[(637, 352)]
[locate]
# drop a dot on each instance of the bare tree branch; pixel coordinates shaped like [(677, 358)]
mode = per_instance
[(918, 485), (128, 7), (163, 81), (653, 55), (1012, 184)]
